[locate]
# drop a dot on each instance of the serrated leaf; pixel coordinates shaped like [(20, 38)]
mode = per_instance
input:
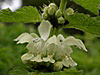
[(20, 71), (84, 22), (91, 5), (24, 14)]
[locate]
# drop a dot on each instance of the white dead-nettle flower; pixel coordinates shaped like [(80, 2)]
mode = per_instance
[(54, 49)]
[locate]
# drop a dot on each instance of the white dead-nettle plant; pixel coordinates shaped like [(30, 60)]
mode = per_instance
[(56, 49)]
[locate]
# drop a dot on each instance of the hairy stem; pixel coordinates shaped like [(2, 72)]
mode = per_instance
[(63, 5)]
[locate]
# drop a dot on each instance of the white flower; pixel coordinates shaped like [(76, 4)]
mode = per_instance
[(26, 57), (63, 49), (35, 43), (53, 50), (44, 30), (67, 61)]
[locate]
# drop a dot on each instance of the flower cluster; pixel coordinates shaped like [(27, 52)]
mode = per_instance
[(55, 50), (53, 11)]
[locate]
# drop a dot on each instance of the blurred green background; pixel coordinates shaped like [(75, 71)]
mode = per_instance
[(10, 52)]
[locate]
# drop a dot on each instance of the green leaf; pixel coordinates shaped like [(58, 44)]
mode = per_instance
[(91, 5), (67, 72), (20, 71), (71, 72), (24, 14), (84, 22)]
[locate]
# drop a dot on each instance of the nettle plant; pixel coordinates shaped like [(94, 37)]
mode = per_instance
[(53, 53)]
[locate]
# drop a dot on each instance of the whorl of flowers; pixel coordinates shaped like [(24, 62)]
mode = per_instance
[(55, 50)]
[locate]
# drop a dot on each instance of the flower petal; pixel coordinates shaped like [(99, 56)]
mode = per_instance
[(68, 62), (51, 49), (37, 58), (34, 35), (26, 57), (23, 38), (44, 29), (72, 62), (68, 50), (52, 60), (82, 45), (36, 47), (49, 59), (52, 39), (44, 49), (60, 52), (32, 48), (65, 62), (72, 41), (40, 45), (60, 37)]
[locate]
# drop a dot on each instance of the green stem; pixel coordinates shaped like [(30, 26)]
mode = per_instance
[(63, 5), (56, 31)]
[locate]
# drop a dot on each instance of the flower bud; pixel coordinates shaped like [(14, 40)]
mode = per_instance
[(69, 11), (51, 11), (45, 10), (61, 20), (57, 66), (44, 16), (58, 13), (53, 5)]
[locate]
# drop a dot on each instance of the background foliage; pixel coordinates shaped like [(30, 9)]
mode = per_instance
[(91, 5), (86, 18), (10, 53), (25, 14)]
